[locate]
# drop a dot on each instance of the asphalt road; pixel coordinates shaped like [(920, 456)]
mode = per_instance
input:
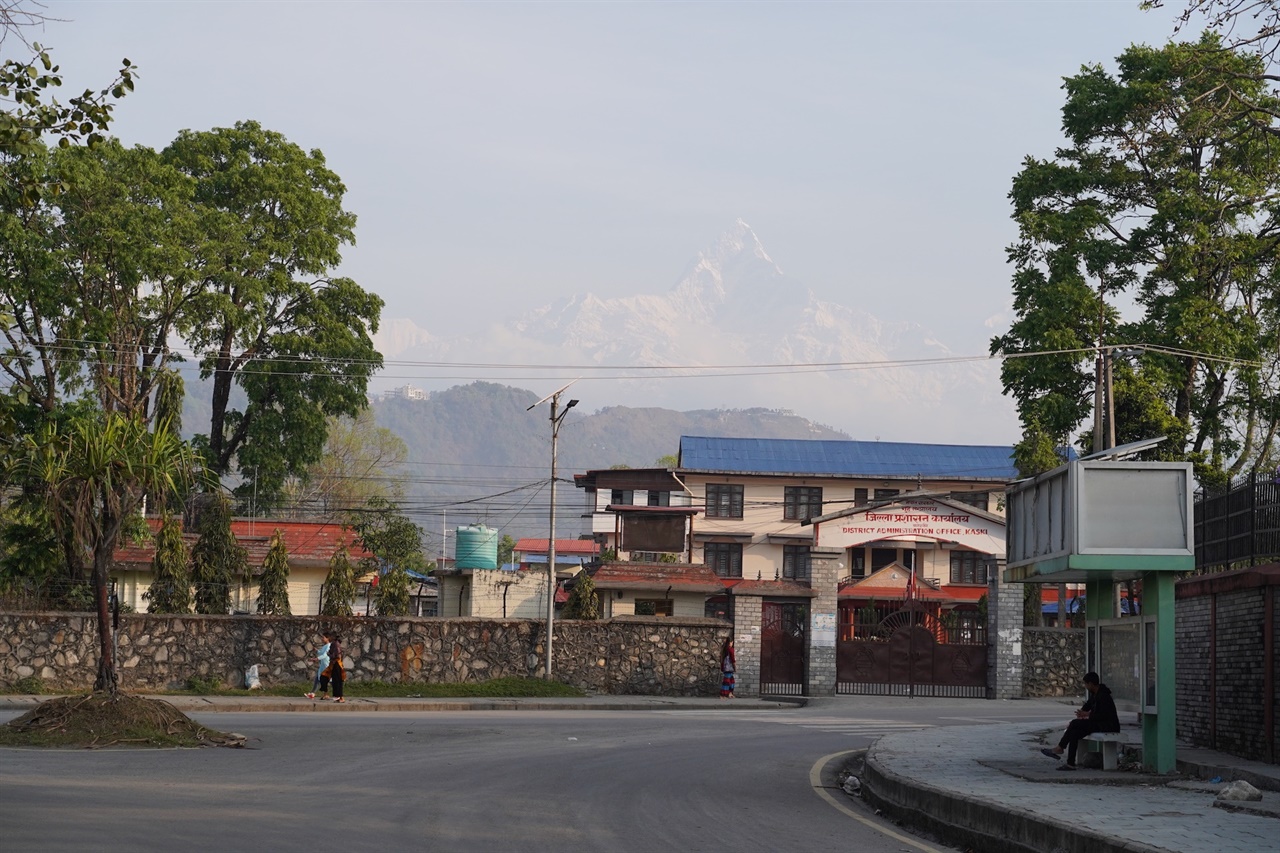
[(704, 780)]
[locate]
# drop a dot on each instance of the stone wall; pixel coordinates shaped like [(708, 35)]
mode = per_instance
[(636, 655), (1052, 661), (1228, 684)]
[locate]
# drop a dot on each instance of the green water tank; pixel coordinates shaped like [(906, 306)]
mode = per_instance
[(476, 547)]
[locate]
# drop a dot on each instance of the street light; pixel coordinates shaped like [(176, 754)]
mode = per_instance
[(557, 417)]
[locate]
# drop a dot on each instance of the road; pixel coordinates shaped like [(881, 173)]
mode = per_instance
[(723, 778)]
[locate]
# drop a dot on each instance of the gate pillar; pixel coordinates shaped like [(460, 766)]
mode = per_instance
[(1004, 637), (825, 571), (747, 617)]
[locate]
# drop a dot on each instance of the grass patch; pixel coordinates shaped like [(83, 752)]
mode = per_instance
[(97, 720), (497, 688)]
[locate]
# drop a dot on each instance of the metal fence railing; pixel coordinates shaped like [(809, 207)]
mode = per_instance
[(1239, 527)]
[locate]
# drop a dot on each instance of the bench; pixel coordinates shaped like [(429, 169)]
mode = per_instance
[(1109, 742)]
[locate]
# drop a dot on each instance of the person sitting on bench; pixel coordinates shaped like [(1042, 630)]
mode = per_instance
[(1097, 715)]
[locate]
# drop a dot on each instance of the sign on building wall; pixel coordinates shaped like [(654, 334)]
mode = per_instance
[(913, 517)]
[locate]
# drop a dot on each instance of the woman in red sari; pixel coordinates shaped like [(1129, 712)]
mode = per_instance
[(728, 667)]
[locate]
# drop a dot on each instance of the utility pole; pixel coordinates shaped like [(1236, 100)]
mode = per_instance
[(557, 417)]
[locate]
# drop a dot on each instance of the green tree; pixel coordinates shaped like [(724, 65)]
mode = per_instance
[(94, 475), (668, 461), (391, 595), (338, 593), (1166, 195), (270, 317), (217, 559), (506, 549), (273, 584), (361, 461), (584, 601), (170, 590), (395, 544)]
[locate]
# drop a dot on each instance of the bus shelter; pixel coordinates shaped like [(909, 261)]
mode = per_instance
[(1103, 521)]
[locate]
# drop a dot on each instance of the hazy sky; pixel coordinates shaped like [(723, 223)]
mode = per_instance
[(500, 154)]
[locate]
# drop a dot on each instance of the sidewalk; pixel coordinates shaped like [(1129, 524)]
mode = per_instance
[(228, 704), (989, 788)]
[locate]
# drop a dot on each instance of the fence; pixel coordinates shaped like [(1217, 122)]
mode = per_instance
[(1240, 527)]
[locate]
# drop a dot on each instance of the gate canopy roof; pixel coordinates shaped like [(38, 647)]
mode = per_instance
[(920, 517)]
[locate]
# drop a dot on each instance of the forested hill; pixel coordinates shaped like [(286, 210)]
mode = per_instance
[(477, 455), (488, 424)]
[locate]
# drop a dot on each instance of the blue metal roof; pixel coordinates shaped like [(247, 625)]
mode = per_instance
[(846, 458)]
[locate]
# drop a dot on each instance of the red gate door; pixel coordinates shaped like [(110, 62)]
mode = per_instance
[(782, 648)]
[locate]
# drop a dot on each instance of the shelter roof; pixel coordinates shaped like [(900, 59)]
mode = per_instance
[(779, 588)]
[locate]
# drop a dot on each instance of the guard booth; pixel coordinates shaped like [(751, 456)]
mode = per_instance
[(1101, 521)]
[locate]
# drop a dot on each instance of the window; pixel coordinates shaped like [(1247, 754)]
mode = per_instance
[(857, 563), (622, 498), (978, 500), (860, 497), (802, 502), (659, 498), (724, 501), (886, 494), (654, 607), (723, 558), (795, 562), (881, 557), (971, 567)]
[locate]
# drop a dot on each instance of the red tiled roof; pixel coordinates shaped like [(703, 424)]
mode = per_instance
[(682, 576), (309, 543), (563, 546), (889, 592)]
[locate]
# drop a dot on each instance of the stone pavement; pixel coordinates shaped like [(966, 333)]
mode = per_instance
[(988, 788)]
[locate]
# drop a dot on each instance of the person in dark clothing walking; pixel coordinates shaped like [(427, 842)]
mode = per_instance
[(337, 675), (1098, 714)]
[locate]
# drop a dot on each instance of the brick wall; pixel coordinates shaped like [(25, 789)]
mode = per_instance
[(1228, 686), (637, 655)]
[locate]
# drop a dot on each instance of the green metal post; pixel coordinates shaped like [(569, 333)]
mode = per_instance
[(1159, 730)]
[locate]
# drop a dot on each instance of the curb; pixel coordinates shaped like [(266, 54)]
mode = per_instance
[(979, 824)]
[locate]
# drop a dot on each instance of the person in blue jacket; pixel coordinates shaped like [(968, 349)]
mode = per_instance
[(320, 684)]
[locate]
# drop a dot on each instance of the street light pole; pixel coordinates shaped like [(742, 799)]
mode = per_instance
[(557, 417)]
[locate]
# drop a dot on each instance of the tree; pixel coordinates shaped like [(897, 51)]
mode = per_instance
[(668, 461), (270, 318), (1247, 25), (361, 461), (391, 595), (584, 602), (217, 559), (273, 585), (338, 593), (506, 549), (1165, 196), (170, 590), (94, 475), (395, 544)]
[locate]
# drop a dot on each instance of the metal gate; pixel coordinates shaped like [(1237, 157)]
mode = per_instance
[(782, 648), (909, 651)]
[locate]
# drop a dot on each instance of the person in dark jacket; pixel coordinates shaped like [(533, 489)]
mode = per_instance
[(1098, 714)]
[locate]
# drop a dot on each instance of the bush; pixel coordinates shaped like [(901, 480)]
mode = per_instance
[(203, 684), (30, 684)]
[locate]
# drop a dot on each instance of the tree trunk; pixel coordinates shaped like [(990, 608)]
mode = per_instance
[(107, 679)]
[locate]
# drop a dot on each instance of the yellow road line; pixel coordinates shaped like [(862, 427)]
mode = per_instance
[(815, 780)]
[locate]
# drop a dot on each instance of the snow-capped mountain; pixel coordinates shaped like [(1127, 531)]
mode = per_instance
[(777, 343)]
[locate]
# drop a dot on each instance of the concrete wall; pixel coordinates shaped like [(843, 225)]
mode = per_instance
[(683, 604), (1228, 684), (639, 655), (495, 594)]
